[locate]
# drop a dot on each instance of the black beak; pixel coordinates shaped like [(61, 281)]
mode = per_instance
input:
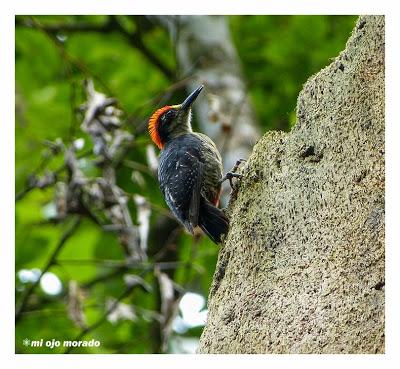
[(190, 99)]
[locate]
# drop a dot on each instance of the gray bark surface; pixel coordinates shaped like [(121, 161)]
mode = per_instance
[(302, 267)]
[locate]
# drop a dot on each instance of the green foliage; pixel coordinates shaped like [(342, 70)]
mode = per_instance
[(278, 55)]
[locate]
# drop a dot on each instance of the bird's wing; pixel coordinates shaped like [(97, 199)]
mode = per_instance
[(180, 176)]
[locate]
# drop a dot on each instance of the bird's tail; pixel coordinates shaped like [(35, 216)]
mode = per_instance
[(212, 221)]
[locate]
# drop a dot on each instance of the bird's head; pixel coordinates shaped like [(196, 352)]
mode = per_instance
[(172, 120)]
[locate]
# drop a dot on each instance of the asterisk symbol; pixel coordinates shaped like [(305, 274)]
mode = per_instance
[(26, 342)]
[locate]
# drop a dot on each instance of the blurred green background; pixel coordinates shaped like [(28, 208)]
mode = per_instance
[(278, 54)]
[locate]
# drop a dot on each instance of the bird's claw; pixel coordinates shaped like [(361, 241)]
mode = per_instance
[(232, 173)]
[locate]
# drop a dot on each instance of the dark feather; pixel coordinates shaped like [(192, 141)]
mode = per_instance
[(180, 175)]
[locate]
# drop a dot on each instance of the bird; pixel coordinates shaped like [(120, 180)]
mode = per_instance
[(190, 169)]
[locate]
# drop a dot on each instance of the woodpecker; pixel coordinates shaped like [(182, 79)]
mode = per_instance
[(190, 169)]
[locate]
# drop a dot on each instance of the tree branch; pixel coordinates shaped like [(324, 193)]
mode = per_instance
[(66, 27), (137, 42), (52, 260), (111, 25), (103, 318)]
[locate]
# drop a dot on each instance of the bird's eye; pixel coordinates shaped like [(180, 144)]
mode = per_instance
[(170, 114)]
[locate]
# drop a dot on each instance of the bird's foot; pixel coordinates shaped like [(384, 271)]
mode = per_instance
[(232, 173)]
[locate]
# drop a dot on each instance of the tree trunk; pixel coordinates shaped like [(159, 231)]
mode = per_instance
[(302, 268)]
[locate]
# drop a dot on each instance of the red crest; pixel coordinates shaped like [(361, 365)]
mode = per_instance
[(153, 126)]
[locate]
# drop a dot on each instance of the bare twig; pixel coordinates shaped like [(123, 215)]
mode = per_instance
[(135, 39), (123, 266), (50, 262), (33, 180), (103, 318), (111, 25), (66, 27), (68, 57)]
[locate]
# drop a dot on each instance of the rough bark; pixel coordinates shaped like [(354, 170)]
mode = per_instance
[(302, 268)]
